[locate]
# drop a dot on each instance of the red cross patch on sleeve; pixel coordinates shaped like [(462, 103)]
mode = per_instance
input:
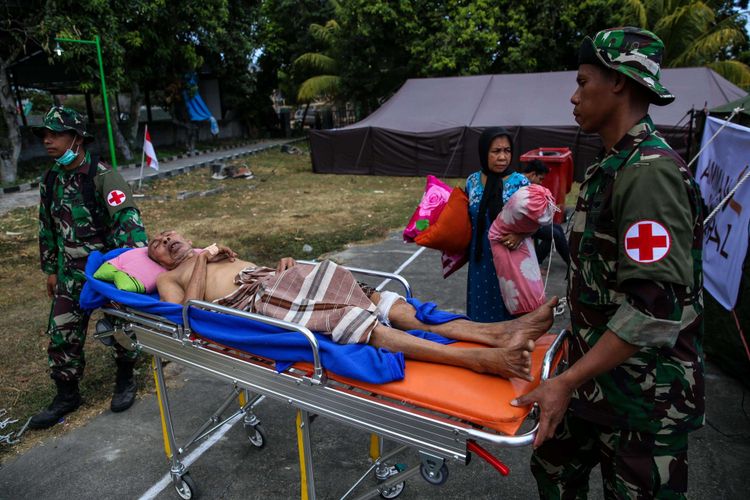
[(647, 241), (116, 198)]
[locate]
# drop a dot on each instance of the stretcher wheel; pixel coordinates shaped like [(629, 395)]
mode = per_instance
[(185, 487), (256, 436), (437, 477), (104, 325), (394, 490)]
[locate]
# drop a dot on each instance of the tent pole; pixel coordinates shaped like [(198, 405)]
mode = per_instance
[(450, 162), (361, 148), (416, 156), (516, 143), (690, 132)]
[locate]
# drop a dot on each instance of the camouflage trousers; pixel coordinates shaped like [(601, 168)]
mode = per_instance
[(633, 464), (67, 332)]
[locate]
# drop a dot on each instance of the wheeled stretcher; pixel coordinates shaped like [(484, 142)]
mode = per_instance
[(445, 413)]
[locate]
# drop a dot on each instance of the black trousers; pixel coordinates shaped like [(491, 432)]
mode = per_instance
[(543, 242)]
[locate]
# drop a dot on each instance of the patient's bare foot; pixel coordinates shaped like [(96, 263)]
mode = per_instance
[(531, 325), (512, 360), (539, 321)]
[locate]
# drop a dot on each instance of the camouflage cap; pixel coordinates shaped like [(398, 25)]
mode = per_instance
[(634, 52), (61, 119)]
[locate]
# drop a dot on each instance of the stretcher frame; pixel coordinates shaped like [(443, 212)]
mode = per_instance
[(438, 438)]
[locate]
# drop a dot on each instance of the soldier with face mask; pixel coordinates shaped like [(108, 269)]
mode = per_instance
[(84, 206)]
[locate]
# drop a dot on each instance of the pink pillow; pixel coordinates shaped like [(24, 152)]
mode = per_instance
[(453, 262), (139, 265), (434, 199)]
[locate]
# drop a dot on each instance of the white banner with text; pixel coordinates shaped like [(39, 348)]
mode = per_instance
[(721, 166)]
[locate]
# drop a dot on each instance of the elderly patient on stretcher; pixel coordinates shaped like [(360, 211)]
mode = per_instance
[(326, 298)]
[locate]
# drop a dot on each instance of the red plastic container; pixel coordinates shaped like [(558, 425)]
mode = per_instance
[(560, 177)]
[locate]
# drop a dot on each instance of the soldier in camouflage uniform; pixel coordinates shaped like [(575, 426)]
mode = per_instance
[(70, 228), (635, 388)]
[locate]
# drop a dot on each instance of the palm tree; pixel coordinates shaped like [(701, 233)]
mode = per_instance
[(694, 34), (326, 82)]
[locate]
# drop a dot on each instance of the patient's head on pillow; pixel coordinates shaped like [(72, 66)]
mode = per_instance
[(169, 249), (132, 271)]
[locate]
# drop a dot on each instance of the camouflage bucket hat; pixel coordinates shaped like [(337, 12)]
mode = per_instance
[(634, 52), (61, 119)]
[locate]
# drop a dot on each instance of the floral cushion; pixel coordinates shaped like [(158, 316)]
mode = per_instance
[(452, 230), (434, 199)]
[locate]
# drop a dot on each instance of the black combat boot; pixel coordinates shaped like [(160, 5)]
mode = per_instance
[(68, 399), (125, 387)]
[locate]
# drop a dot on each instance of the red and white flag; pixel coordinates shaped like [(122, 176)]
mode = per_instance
[(148, 151)]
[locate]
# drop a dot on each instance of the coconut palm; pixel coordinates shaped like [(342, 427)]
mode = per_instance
[(326, 82), (694, 34)]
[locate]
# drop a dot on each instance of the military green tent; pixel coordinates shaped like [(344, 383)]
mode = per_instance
[(743, 117)]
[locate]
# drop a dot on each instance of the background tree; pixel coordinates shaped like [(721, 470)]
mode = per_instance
[(545, 35), (161, 42), (373, 46), (19, 31), (70, 19), (231, 55), (383, 43), (325, 82), (180, 36), (283, 35), (696, 33), (146, 44), (361, 50)]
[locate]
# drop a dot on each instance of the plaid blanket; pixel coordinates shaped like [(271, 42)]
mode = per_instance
[(323, 297)]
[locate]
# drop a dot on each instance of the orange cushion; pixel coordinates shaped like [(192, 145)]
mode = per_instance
[(477, 397), (451, 233)]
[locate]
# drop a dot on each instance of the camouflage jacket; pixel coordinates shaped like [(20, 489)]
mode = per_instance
[(636, 270), (68, 233)]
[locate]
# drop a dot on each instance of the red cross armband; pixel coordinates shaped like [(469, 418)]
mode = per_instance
[(115, 192), (654, 222), (647, 241)]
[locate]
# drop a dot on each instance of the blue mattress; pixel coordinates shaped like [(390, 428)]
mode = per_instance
[(360, 361)]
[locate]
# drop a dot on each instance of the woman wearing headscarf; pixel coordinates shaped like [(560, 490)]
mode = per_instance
[(488, 190)]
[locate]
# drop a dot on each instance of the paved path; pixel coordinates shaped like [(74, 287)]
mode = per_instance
[(121, 456), (28, 194)]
